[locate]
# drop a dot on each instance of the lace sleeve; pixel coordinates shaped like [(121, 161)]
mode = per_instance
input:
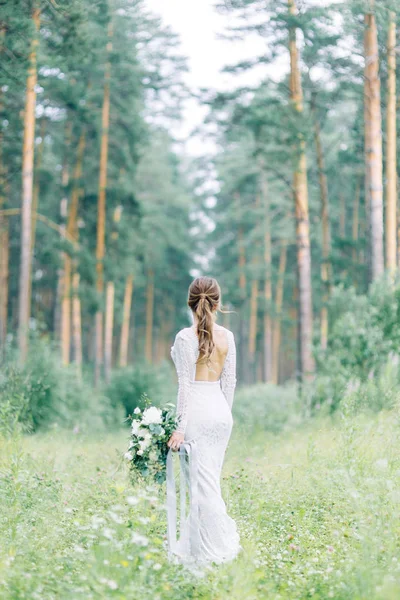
[(228, 375), (181, 358)]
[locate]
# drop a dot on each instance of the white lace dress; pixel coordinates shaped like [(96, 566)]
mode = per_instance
[(205, 419)]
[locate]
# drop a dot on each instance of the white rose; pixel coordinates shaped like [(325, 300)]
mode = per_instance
[(128, 455), (152, 415), (137, 411), (135, 427)]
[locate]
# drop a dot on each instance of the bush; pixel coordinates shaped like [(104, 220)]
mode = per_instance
[(13, 402), (267, 407), (129, 385), (364, 334), (45, 393)]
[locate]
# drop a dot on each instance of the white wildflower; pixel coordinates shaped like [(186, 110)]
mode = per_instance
[(382, 463), (157, 567), (113, 585), (139, 539), (152, 415), (137, 411), (140, 452), (128, 455), (132, 500)]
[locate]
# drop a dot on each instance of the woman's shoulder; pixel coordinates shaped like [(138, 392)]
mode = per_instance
[(185, 333)]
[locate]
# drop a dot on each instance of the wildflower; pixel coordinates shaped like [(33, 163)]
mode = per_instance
[(139, 539), (157, 567), (113, 585), (128, 455), (132, 500), (137, 411), (152, 415)]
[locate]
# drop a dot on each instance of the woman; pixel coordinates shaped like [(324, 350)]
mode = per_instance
[(205, 361)]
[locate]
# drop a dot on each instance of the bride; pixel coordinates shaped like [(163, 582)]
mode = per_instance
[(205, 361)]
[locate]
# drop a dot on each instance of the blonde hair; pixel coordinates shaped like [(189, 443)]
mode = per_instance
[(204, 299)]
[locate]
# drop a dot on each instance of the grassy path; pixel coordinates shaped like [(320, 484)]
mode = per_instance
[(318, 512)]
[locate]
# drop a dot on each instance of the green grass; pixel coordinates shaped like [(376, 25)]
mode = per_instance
[(317, 509)]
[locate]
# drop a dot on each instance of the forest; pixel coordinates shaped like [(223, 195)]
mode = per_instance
[(105, 219)]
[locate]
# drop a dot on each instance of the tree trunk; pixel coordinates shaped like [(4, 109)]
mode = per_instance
[(109, 325), (101, 211), (67, 270), (276, 336), (27, 190), (4, 260), (149, 315), (373, 145), (267, 370), (4, 242), (306, 359), (126, 317), (63, 217), (108, 330), (254, 310), (36, 185), (243, 363), (76, 323), (391, 151), (326, 238), (356, 218)]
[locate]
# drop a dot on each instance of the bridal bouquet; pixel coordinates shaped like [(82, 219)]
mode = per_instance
[(150, 432)]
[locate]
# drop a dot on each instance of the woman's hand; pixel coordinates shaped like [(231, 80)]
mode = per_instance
[(175, 441)]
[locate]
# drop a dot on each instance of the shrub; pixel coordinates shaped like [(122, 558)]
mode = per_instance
[(45, 393), (364, 334), (129, 385), (13, 401), (267, 407)]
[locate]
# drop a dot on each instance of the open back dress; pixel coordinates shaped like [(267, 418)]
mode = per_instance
[(205, 397)]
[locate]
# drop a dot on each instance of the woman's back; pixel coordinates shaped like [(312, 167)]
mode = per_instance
[(211, 369)]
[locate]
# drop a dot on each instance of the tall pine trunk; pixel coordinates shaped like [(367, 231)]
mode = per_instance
[(356, 220), (326, 238), (108, 330), (101, 211), (306, 359), (126, 317), (276, 334), (391, 150), (27, 191), (110, 292), (67, 269), (76, 322), (267, 369), (373, 145), (254, 309), (4, 242), (149, 315)]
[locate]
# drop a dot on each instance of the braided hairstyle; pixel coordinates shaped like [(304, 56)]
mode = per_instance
[(204, 299)]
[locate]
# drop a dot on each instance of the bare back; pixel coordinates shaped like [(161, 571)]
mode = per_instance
[(211, 370)]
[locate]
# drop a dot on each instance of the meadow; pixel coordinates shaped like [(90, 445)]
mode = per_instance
[(317, 507)]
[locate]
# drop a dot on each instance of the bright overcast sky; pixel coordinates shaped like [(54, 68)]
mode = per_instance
[(198, 25)]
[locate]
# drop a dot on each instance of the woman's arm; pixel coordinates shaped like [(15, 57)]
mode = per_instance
[(182, 365), (228, 375)]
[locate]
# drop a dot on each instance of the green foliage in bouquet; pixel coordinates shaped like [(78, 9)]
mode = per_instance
[(150, 432)]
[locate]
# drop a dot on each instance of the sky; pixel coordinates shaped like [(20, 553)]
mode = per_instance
[(198, 25)]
